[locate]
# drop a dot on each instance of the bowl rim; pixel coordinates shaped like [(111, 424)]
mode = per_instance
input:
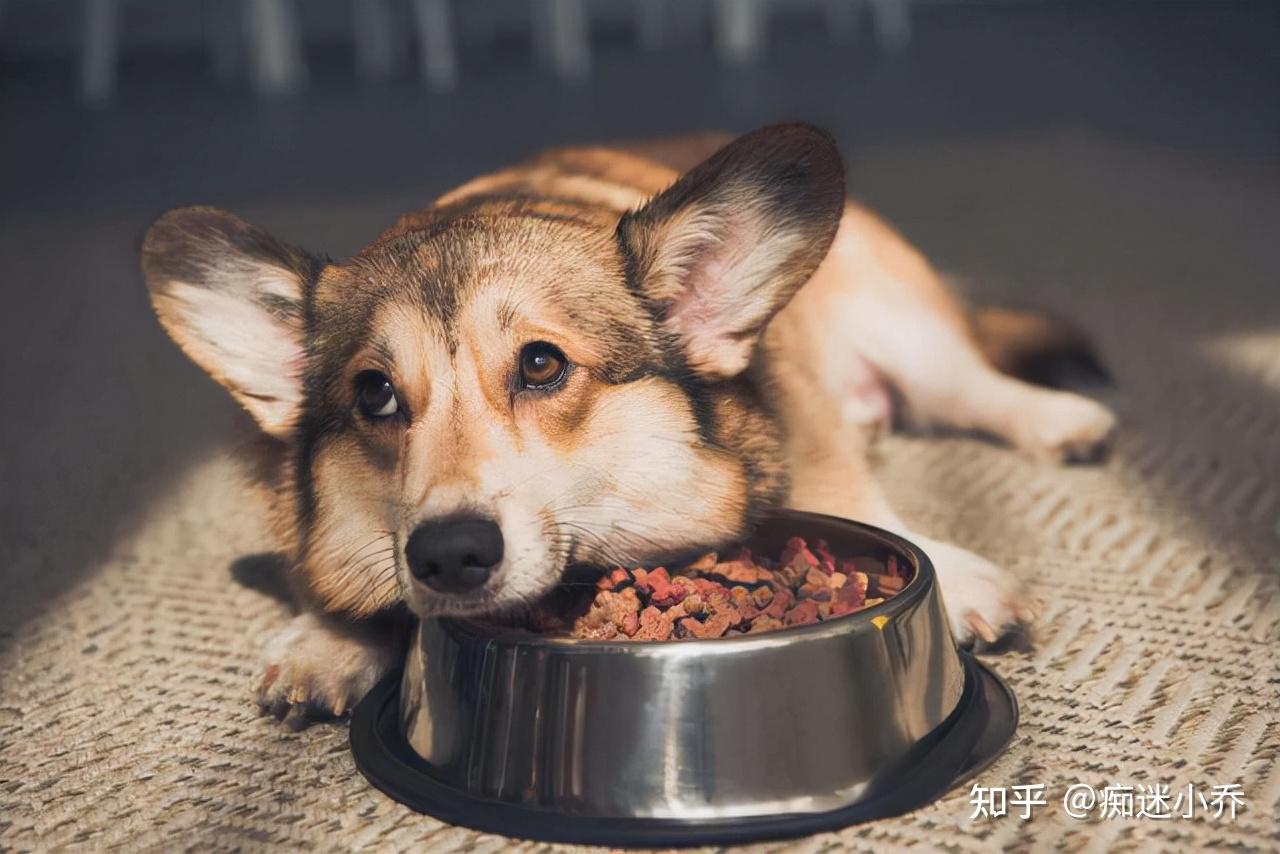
[(922, 581)]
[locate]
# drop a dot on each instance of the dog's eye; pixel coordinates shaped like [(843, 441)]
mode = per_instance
[(541, 365), (375, 396)]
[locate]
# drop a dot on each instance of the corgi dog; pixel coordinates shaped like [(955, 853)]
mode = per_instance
[(603, 356)]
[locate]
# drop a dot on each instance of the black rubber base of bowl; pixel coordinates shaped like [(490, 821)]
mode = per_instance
[(966, 742)]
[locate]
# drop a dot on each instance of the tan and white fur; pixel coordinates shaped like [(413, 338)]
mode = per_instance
[(728, 341)]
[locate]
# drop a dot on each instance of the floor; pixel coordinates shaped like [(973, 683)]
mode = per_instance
[(1118, 163)]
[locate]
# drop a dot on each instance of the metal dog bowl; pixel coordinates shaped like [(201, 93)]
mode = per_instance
[(690, 742)]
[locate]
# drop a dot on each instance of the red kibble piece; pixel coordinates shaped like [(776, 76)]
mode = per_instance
[(715, 625), (609, 613), (613, 580), (706, 587), (820, 594), (839, 608), (853, 595), (793, 571), (742, 572), (805, 611), (665, 591), (744, 603), (702, 564), (668, 596), (883, 585), (764, 624), (817, 585), (654, 625), (672, 594), (782, 600), (794, 546), (826, 560)]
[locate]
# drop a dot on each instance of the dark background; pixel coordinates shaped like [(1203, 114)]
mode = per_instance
[(1103, 158)]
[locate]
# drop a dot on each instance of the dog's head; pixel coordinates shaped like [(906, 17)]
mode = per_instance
[(471, 405)]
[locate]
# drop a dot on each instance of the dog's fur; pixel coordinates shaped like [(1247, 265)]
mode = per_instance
[(733, 328)]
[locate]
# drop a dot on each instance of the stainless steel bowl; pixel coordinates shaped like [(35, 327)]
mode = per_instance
[(687, 741)]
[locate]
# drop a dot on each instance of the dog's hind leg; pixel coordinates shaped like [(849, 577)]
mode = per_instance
[(876, 305), (943, 380)]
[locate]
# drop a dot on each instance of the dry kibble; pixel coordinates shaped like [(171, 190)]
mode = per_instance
[(782, 599), (804, 612), (707, 561), (713, 597), (883, 585), (740, 572), (765, 624)]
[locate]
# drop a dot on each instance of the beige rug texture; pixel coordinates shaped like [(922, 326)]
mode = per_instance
[(127, 652)]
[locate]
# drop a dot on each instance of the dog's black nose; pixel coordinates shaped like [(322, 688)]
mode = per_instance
[(454, 555)]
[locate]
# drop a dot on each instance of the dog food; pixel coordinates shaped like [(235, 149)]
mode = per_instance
[(713, 597)]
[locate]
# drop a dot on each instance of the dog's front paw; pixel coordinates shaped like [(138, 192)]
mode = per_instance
[(1068, 428), (317, 668), (984, 602)]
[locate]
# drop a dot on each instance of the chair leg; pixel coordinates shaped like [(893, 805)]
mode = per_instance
[(372, 37), (562, 38), (739, 30), (278, 66), (686, 22), (98, 51), (651, 23), (842, 19), (222, 40), (436, 54), (892, 22)]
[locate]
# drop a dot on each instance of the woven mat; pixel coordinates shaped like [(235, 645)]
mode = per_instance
[(126, 716)]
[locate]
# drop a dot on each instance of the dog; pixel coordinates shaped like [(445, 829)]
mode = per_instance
[(603, 356)]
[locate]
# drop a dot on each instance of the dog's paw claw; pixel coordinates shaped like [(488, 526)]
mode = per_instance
[(1070, 429), (313, 672), (1029, 611), (980, 627), (986, 604)]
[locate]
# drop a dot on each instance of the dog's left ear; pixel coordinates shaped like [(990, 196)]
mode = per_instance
[(728, 245)]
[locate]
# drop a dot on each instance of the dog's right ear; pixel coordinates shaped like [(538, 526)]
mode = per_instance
[(722, 250), (231, 296)]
